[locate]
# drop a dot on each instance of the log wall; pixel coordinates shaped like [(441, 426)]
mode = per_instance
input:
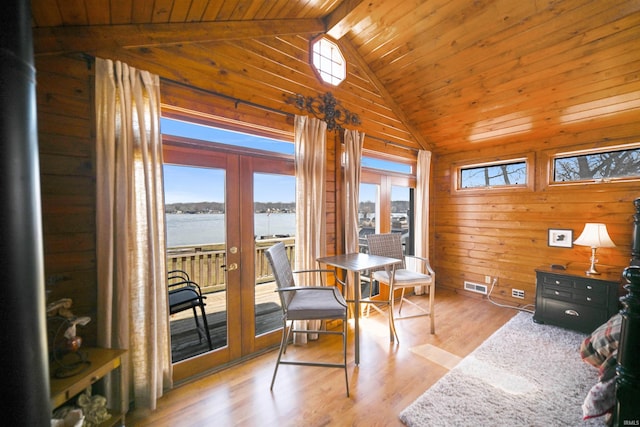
[(504, 233), (67, 167)]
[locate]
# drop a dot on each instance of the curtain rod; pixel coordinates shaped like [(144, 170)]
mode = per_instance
[(270, 109), (396, 144), (227, 97)]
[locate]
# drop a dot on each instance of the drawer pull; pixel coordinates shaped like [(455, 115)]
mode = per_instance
[(588, 298), (557, 282), (571, 313), (589, 287), (556, 292)]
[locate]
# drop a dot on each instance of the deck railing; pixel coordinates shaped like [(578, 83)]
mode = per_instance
[(205, 264)]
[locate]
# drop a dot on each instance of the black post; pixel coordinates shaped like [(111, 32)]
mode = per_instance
[(635, 240), (627, 409), (23, 344)]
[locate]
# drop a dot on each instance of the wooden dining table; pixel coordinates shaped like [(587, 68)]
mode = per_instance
[(356, 263)]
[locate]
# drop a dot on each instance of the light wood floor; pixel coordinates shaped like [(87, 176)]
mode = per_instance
[(388, 378)]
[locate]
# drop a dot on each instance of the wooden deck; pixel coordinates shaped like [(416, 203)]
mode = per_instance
[(217, 301), (389, 377)]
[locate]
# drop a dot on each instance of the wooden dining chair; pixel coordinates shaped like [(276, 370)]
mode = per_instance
[(400, 276), (306, 303)]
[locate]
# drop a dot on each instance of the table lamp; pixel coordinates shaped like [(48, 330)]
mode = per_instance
[(595, 236)]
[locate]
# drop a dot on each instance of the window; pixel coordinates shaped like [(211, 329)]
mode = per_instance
[(613, 163), (223, 136), (327, 61), (386, 165), (512, 173), (385, 206)]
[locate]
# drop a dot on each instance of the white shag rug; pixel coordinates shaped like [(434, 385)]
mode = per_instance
[(525, 374)]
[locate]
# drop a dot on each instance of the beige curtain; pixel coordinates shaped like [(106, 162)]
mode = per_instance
[(132, 298), (353, 142), (310, 164), (423, 178)]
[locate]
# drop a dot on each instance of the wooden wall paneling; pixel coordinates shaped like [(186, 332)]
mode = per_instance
[(502, 233), (398, 41), (497, 52), (266, 85), (296, 76), (179, 11), (183, 101), (264, 9), (67, 166), (72, 146), (44, 15), (161, 11), (492, 74), (73, 12), (129, 11), (287, 55), (63, 125), (264, 79), (197, 10), (450, 37), (360, 68), (68, 104), (252, 71), (333, 194), (508, 51), (67, 187), (98, 13), (68, 242)]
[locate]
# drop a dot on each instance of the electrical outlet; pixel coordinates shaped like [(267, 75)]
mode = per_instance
[(487, 279), (517, 293)]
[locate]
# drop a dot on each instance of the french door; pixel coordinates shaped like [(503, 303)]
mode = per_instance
[(385, 206), (254, 193)]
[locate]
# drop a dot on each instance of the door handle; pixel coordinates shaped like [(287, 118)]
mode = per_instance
[(230, 267)]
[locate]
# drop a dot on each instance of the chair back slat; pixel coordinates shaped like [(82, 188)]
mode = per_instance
[(386, 244), (281, 268)]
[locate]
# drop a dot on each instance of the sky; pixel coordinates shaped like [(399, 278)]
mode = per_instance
[(192, 184)]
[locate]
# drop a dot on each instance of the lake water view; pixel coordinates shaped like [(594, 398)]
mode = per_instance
[(200, 229)]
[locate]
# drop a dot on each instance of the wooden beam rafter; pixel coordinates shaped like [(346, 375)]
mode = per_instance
[(55, 40), (346, 16)]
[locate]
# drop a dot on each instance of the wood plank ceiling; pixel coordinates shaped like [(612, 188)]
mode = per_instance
[(445, 75)]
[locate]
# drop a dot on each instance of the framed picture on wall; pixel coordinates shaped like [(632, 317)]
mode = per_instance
[(560, 238)]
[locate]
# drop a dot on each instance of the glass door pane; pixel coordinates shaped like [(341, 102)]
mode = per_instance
[(368, 212), (274, 221), (401, 214), (196, 236)]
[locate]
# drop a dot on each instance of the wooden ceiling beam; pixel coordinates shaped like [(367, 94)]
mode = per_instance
[(353, 55), (55, 40), (345, 17)]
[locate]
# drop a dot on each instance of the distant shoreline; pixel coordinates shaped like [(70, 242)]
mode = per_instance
[(209, 228)]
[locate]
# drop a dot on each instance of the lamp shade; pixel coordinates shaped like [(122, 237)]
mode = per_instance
[(595, 235)]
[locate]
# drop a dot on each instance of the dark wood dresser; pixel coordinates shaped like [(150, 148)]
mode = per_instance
[(575, 300)]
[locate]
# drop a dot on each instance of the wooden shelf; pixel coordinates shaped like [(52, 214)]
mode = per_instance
[(103, 362)]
